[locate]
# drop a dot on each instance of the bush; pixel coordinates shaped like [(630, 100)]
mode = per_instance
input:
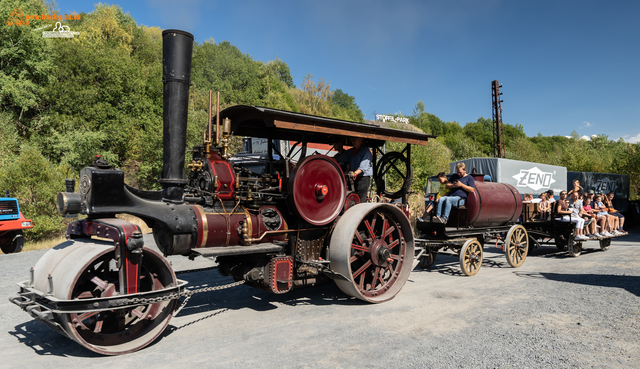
[(34, 181)]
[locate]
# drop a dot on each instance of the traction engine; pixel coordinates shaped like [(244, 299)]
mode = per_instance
[(271, 224)]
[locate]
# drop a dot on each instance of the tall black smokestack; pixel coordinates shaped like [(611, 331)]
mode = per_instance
[(177, 47)]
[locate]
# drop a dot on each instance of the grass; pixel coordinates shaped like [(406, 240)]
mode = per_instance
[(43, 244)]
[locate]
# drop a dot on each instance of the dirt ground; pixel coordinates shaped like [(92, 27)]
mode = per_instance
[(554, 311)]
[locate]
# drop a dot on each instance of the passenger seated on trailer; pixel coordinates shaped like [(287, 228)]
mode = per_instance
[(460, 185), (608, 202), (359, 159), (592, 231), (569, 213), (550, 198), (575, 206), (612, 221), (428, 204), (544, 206)]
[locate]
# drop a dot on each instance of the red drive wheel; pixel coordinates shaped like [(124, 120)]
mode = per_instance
[(372, 246), (317, 190)]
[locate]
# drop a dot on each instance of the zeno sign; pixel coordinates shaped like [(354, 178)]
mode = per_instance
[(534, 178)]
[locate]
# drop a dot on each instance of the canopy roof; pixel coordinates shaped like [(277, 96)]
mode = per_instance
[(257, 121)]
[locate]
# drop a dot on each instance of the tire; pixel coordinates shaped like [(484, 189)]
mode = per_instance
[(516, 246), (12, 241), (471, 257)]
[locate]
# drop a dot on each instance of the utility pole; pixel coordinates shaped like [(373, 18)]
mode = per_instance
[(498, 129)]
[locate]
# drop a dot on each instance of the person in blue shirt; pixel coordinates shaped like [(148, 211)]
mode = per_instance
[(459, 185), (360, 170)]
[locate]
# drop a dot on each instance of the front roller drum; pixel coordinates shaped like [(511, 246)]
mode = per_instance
[(372, 246), (516, 245), (82, 269)]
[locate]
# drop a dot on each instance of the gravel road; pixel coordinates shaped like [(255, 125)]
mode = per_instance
[(553, 312)]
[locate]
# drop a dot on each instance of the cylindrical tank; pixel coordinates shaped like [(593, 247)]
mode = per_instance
[(492, 204)]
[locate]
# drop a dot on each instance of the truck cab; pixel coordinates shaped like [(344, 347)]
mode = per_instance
[(12, 224)]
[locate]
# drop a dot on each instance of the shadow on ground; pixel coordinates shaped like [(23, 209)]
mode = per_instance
[(630, 283)]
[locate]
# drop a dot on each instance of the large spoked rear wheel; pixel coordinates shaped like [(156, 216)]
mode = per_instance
[(87, 269), (471, 257), (372, 246), (516, 245)]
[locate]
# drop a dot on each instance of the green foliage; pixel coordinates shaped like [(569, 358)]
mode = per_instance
[(343, 101), (62, 101), (35, 181), (25, 61)]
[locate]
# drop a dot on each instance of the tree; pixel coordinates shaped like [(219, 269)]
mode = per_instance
[(25, 62), (348, 103), (281, 70)]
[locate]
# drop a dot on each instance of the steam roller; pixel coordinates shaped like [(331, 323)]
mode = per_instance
[(281, 219)]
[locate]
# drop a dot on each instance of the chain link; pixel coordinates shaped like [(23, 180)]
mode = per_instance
[(173, 296)]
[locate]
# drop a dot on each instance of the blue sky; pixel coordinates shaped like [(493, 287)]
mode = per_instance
[(564, 65)]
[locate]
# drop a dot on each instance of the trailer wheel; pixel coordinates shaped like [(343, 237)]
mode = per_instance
[(562, 240), (12, 241), (88, 269), (575, 248), (372, 247), (427, 260), (516, 245), (605, 243), (471, 257)]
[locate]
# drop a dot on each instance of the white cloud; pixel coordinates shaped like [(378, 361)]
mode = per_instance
[(586, 124), (634, 139)]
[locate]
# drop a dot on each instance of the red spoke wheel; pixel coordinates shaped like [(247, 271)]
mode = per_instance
[(87, 269), (471, 257), (516, 246), (372, 246)]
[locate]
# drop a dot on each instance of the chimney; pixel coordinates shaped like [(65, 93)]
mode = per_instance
[(177, 47)]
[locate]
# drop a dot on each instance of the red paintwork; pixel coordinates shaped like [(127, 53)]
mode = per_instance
[(279, 274), (352, 199), (113, 229), (226, 176), (313, 171), (12, 225)]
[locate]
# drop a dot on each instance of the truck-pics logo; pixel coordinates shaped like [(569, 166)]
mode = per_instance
[(534, 178), (605, 185)]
